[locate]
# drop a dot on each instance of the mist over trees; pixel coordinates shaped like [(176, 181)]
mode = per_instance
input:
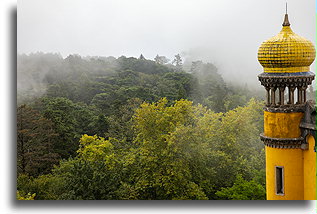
[(135, 128)]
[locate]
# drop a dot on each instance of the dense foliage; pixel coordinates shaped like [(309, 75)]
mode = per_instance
[(127, 128)]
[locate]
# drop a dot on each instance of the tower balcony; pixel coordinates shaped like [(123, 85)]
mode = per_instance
[(286, 92)]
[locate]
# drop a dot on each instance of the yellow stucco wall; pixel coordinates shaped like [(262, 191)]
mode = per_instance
[(310, 170), (282, 125), (285, 125), (292, 161)]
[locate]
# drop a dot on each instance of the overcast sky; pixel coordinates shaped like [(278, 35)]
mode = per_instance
[(227, 33)]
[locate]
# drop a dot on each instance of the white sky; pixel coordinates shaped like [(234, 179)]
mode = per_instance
[(225, 32)]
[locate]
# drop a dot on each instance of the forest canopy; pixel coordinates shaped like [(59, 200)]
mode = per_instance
[(133, 128)]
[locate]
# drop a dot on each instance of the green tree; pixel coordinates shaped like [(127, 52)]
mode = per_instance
[(70, 121), (196, 67), (232, 101), (243, 190), (36, 139), (178, 62), (121, 124), (161, 60), (162, 170), (95, 174), (27, 197), (208, 149), (142, 57)]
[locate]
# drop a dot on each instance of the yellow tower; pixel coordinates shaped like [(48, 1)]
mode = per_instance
[(289, 121)]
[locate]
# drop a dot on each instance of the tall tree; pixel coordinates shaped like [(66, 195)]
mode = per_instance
[(35, 142), (141, 57), (196, 67), (70, 121), (161, 59), (178, 62)]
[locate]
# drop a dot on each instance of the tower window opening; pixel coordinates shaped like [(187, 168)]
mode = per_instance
[(279, 179)]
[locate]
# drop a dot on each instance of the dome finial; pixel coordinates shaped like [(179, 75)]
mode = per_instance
[(286, 22)]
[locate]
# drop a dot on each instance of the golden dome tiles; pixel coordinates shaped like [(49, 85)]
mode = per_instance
[(286, 53)]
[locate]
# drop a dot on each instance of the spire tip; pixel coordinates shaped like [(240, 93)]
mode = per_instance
[(286, 22)]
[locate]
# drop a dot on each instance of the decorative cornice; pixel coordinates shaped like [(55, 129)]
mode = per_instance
[(286, 80), (284, 143), (283, 75), (285, 108)]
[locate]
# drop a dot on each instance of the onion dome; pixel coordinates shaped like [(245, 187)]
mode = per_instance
[(286, 52)]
